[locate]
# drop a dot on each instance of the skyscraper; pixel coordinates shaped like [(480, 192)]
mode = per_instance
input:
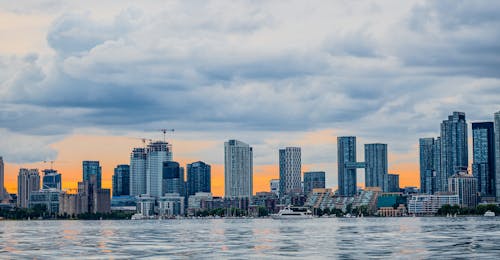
[(454, 151), (346, 150), (27, 181), (156, 154), (121, 180), (497, 155), (376, 166), (138, 172), (392, 183), (198, 177), (172, 178), (313, 180), (238, 170), (92, 168), (290, 169), (2, 187), (483, 157), (51, 179), (437, 181), (427, 165), (465, 186)]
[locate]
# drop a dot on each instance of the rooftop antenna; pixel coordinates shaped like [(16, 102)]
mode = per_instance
[(164, 131), (51, 164)]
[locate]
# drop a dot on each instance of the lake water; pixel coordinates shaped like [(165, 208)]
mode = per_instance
[(410, 238)]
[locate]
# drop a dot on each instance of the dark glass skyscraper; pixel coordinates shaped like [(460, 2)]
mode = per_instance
[(313, 180), (173, 178), (483, 157), (51, 179), (198, 177), (92, 168), (121, 180), (376, 166), (497, 155), (346, 155), (427, 165), (392, 183)]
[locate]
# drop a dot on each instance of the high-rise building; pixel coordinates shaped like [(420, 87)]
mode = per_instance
[(2, 187), (346, 150), (454, 151), (97, 200), (157, 153), (497, 155), (290, 169), (427, 165), (173, 178), (27, 182), (376, 166), (138, 172), (198, 177), (465, 186), (483, 157), (238, 170), (274, 186), (92, 168), (121, 180), (51, 179), (392, 183), (436, 177), (313, 180)]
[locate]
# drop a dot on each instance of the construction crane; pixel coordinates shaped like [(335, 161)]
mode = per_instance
[(164, 131), (51, 164)]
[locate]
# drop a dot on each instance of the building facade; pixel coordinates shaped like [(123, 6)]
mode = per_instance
[(92, 168), (51, 179), (376, 166), (430, 204), (454, 148), (290, 167), (198, 178), (3, 191), (465, 186), (121, 180), (497, 155), (427, 165), (173, 178), (157, 153), (274, 186), (346, 154), (47, 198), (392, 182), (238, 170), (28, 181), (313, 180), (483, 157), (138, 172)]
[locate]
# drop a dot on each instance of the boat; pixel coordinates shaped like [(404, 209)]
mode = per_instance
[(489, 213), (290, 212)]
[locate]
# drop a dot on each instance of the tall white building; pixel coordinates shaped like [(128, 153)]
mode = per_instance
[(465, 186), (290, 170), (27, 182), (156, 154), (497, 154), (138, 172), (238, 169)]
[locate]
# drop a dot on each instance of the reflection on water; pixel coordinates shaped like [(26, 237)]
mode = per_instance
[(474, 237)]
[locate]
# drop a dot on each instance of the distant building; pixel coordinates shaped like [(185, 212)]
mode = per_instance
[(198, 178), (238, 170), (465, 186), (92, 168), (27, 182), (47, 198), (290, 167), (146, 205), (173, 178), (157, 153), (274, 186), (430, 204), (98, 200), (483, 157), (428, 169), (392, 183), (376, 166), (121, 180), (198, 202), (138, 172), (346, 148), (51, 179), (73, 204), (267, 200), (313, 180), (3, 191), (171, 204), (497, 155)]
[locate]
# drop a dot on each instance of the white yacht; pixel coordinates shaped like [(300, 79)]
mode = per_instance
[(293, 213), (489, 214)]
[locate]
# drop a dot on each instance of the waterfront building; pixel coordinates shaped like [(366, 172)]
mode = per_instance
[(267, 200), (497, 155), (173, 178), (171, 204), (98, 200), (47, 198), (428, 169), (290, 167), (121, 180), (3, 191), (72, 204), (238, 170), (483, 157), (198, 178), (157, 153), (376, 166), (146, 205), (454, 151), (274, 186), (392, 183), (346, 149), (28, 181), (51, 179), (138, 172), (198, 202), (465, 186), (92, 168), (313, 180), (124, 203), (426, 204)]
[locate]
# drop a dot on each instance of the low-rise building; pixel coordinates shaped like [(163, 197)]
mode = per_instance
[(171, 204), (47, 198), (146, 205), (430, 204)]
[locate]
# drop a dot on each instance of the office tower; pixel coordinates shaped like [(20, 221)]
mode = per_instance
[(121, 180), (392, 183), (156, 154), (497, 155), (238, 170), (198, 177), (483, 157), (376, 166), (454, 153), (313, 180), (97, 200), (346, 151), (436, 177), (51, 179), (138, 172), (274, 186), (465, 186), (290, 170), (172, 178), (92, 168), (427, 165), (2, 187), (27, 182)]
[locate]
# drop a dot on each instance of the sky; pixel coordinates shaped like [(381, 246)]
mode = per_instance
[(86, 80)]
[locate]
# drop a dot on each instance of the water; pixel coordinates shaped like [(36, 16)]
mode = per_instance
[(415, 238)]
